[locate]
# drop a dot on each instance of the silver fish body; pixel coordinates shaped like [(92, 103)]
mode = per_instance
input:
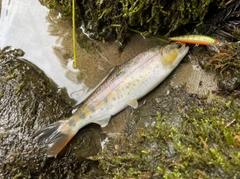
[(127, 83)]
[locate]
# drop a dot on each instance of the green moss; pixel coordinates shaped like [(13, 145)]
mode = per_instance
[(19, 176), (19, 87), (8, 77), (97, 18), (1, 93), (203, 145), (65, 5), (236, 33)]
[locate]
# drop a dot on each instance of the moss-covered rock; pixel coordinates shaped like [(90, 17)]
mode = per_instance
[(203, 143), (103, 19)]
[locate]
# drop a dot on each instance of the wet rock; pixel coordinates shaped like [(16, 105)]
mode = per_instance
[(229, 84), (29, 101)]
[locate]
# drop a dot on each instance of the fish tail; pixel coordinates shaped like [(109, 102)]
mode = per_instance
[(55, 136)]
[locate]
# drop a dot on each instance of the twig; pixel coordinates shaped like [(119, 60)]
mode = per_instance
[(204, 143), (230, 123)]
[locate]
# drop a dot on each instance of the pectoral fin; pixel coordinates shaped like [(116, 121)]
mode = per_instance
[(102, 121), (133, 103)]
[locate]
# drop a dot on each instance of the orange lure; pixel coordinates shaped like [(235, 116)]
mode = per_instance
[(195, 39)]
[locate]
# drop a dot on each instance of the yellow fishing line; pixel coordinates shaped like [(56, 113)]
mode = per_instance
[(74, 35)]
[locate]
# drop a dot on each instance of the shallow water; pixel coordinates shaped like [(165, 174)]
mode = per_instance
[(27, 25), (42, 34), (46, 39)]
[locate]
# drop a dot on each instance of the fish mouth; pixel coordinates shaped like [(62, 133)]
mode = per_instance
[(184, 49)]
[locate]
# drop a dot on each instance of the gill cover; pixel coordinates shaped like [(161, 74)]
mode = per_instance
[(172, 52)]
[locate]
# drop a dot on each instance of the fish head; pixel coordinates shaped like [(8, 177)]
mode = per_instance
[(173, 53)]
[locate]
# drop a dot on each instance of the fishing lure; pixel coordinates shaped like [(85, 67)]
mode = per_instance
[(195, 39)]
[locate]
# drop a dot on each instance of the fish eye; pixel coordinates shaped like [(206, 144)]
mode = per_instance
[(177, 45)]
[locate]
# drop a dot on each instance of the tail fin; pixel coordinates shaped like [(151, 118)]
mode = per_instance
[(55, 137)]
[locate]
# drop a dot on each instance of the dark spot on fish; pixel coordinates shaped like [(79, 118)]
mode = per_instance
[(114, 99), (127, 87), (72, 122), (91, 108), (105, 100), (81, 115)]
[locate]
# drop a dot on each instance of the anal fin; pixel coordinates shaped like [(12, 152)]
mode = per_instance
[(133, 103), (102, 121)]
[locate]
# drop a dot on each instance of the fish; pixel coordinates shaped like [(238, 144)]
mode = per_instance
[(123, 87), (195, 39)]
